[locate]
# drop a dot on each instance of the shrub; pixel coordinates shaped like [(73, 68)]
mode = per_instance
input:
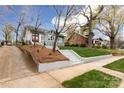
[(23, 43), (2, 43), (76, 45), (66, 44), (50, 53), (98, 46), (38, 50), (72, 45), (28, 42), (44, 43), (104, 47), (93, 46), (82, 45)]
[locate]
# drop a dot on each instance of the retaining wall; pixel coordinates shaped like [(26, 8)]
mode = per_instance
[(90, 59)]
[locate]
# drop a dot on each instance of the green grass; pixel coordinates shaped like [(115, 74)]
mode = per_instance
[(86, 52), (93, 79), (116, 65)]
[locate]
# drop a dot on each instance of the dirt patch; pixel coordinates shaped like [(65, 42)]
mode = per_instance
[(41, 54), (14, 64)]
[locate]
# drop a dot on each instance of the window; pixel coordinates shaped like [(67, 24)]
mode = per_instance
[(35, 37), (51, 38)]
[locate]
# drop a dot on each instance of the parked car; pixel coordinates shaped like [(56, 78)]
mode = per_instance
[(8, 43)]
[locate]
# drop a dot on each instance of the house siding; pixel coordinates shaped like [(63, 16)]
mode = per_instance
[(47, 38), (28, 36), (77, 39)]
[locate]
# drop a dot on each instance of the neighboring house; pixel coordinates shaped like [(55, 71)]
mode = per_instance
[(50, 37), (100, 42), (77, 39), (42, 36)]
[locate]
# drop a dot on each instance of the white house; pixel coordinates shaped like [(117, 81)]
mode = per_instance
[(101, 42), (42, 36)]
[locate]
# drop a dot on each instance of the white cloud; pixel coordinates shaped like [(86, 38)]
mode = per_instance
[(55, 20), (79, 18)]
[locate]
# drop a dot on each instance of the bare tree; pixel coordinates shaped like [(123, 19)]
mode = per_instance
[(111, 21), (7, 30), (20, 20), (91, 16), (19, 24), (62, 21)]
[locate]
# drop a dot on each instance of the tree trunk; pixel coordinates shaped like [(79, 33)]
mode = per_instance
[(34, 43), (112, 42), (55, 42), (6, 37), (35, 36), (16, 37), (17, 30), (90, 35)]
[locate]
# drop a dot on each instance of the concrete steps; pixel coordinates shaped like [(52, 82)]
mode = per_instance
[(73, 57)]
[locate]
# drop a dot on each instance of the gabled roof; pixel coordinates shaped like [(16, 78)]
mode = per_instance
[(32, 29), (41, 30), (101, 39), (77, 34)]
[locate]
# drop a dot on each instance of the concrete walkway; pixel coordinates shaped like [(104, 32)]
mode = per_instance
[(71, 55), (56, 77), (70, 72), (113, 73), (37, 81)]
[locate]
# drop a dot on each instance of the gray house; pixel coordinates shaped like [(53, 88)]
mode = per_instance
[(42, 36)]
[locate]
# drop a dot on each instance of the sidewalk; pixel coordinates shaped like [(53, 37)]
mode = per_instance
[(113, 73), (70, 72), (56, 77)]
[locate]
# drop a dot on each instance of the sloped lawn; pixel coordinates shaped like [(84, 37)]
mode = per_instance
[(86, 52), (93, 79), (116, 65)]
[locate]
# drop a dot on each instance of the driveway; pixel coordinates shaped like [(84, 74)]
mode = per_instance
[(15, 64)]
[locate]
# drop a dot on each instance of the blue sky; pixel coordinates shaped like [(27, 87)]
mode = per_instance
[(47, 14), (46, 11)]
